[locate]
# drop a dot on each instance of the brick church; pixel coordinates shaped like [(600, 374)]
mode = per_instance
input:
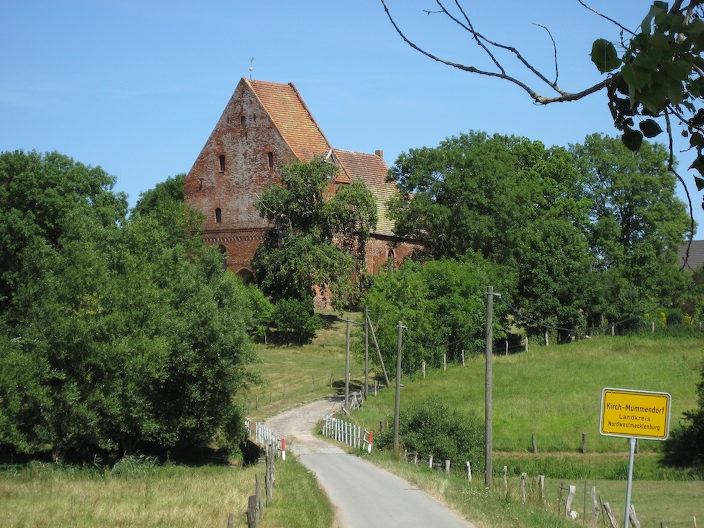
[(266, 125)]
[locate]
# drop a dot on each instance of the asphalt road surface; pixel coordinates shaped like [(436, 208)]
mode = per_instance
[(363, 495)]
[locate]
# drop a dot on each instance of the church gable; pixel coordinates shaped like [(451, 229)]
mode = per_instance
[(265, 126)]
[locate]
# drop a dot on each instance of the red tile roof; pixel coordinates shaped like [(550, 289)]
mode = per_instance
[(372, 169), (292, 118)]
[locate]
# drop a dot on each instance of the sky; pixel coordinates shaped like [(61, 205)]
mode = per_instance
[(136, 86)]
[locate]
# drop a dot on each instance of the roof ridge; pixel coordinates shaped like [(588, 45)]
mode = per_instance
[(310, 114)]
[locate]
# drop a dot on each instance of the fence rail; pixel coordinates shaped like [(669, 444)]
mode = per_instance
[(263, 436), (347, 433)]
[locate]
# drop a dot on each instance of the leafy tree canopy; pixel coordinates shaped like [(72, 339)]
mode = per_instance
[(477, 192), (441, 302), (318, 237), (38, 192), (119, 334)]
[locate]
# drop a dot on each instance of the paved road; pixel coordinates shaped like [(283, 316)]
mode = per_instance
[(362, 494)]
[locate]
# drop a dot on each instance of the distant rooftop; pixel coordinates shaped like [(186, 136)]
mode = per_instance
[(695, 260)]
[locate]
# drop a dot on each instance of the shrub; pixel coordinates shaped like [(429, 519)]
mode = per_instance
[(433, 428), (296, 319)]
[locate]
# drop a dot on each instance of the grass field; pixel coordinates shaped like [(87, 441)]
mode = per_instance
[(146, 495), (555, 392)]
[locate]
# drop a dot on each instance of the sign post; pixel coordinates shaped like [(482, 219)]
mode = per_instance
[(634, 414)]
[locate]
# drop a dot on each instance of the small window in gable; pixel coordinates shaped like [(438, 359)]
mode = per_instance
[(218, 215), (271, 160), (222, 163), (243, 122)]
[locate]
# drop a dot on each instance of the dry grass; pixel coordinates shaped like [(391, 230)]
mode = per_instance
[(168, 496)]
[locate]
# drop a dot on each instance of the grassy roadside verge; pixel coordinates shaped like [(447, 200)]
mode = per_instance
[(154, 496), (675, 503)]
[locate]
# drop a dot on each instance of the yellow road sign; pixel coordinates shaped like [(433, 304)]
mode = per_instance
[(635, 414)]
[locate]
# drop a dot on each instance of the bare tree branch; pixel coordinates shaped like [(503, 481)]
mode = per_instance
[(554, 49), (536, 96), (606, 18)]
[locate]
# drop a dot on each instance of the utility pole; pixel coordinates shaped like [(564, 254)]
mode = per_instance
[(487, 409), (398, 388), (366, 351), (347, 367)]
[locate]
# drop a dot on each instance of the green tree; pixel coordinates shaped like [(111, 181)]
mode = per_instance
[(478, 192), (685, 447), (120, 334), (433, 428), (555, 270), (318, 239), (637, 223), (441, 302), (168, 191), (37, 193)]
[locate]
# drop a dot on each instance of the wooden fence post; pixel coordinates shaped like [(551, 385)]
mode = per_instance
[(463, 357), (595, 510), (231, 521), (609, 514), (252, 512), (505, 477), (541, 487), (632, 517), (258, 493), (568, 502), (523, 487), (584, 443), (447, 467), (430, 461), (269, 475), (423, 367), (444, 362), (532, 441), (469, 471)]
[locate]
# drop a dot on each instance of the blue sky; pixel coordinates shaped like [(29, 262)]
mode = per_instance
[(136, 86)]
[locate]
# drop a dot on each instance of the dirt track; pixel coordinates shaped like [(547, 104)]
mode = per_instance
[(296, 426)]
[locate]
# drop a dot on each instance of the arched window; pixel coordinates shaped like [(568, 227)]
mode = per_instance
[(271, 160), (218, 216), (222, 162), (243, 122), (391, 258), (223, 252)]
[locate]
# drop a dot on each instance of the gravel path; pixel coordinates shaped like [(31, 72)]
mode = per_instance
[(362, 494)]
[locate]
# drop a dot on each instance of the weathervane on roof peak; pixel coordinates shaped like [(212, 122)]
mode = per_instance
[(251, 67)]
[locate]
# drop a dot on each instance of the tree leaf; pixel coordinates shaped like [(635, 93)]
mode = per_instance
[(678, 70), (633, 139), (699, 183), (698, 165), (636, 76), (650, 128), (604, 56)]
